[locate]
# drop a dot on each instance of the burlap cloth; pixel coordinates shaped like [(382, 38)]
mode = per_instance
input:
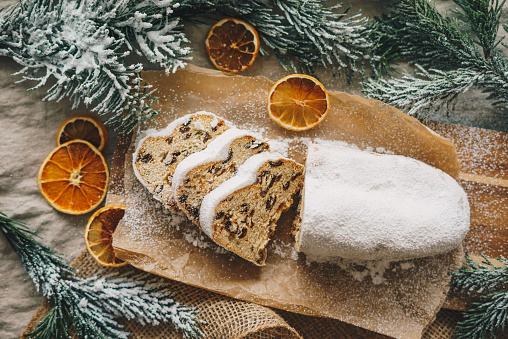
[(229, 318)]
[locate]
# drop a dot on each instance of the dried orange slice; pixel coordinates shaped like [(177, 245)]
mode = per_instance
[(99, 235), (232, 45), (83, 127), (73, 178), (298, 102)]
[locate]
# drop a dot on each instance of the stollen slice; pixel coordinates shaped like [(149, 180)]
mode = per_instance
[(201, 172), (242, 213), (158, 153)]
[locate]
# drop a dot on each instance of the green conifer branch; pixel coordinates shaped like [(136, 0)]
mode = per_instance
[(334, 39), (92, 305), (488, 316), (452, 60), (424, 91), (483, 18), (422, 35), (476, 278), (82, 45)]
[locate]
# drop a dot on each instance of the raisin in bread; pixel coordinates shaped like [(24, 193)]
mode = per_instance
[(201, 172), (241, 214), (158, 154), (369, 206)]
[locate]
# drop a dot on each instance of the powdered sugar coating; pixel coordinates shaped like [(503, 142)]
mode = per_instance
[(217, 150), (246, 175), (362, 205), (165, 132)]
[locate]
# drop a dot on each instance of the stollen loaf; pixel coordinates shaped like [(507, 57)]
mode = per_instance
[(362, 205)]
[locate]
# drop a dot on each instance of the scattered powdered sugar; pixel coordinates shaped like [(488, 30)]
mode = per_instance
[(283, 250), (406, 265), (280, 252), (294, 254), (361, 269), (198, 239), (144, 212), (280, 146)]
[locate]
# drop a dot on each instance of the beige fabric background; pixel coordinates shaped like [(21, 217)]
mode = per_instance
[(28, 128)]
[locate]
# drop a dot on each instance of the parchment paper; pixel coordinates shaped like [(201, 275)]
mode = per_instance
[(155, 240)]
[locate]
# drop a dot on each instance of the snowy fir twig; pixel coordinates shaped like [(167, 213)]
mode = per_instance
[(452, 55), (92, 306), (488, 315), (82, 45)]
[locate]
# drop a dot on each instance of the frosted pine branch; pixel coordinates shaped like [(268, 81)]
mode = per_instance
[(91, 306), (485, 319), (475, 278), (41, 263), (336, 38), (487, 316), (420, 34), (142, 297), (82, 46), (135, 296), (422, 91), (453, 59), (483, 18)]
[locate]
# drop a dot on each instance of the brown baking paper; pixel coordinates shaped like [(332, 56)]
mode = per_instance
[(155, 240)]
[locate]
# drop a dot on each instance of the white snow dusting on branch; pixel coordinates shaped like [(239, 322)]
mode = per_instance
[(82, 45), (423, 91), (92, 305)]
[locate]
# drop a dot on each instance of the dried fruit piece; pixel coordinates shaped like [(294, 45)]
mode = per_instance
[(74, 177), (99, 235), (298, 102), (83, 127), (232, 45)]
